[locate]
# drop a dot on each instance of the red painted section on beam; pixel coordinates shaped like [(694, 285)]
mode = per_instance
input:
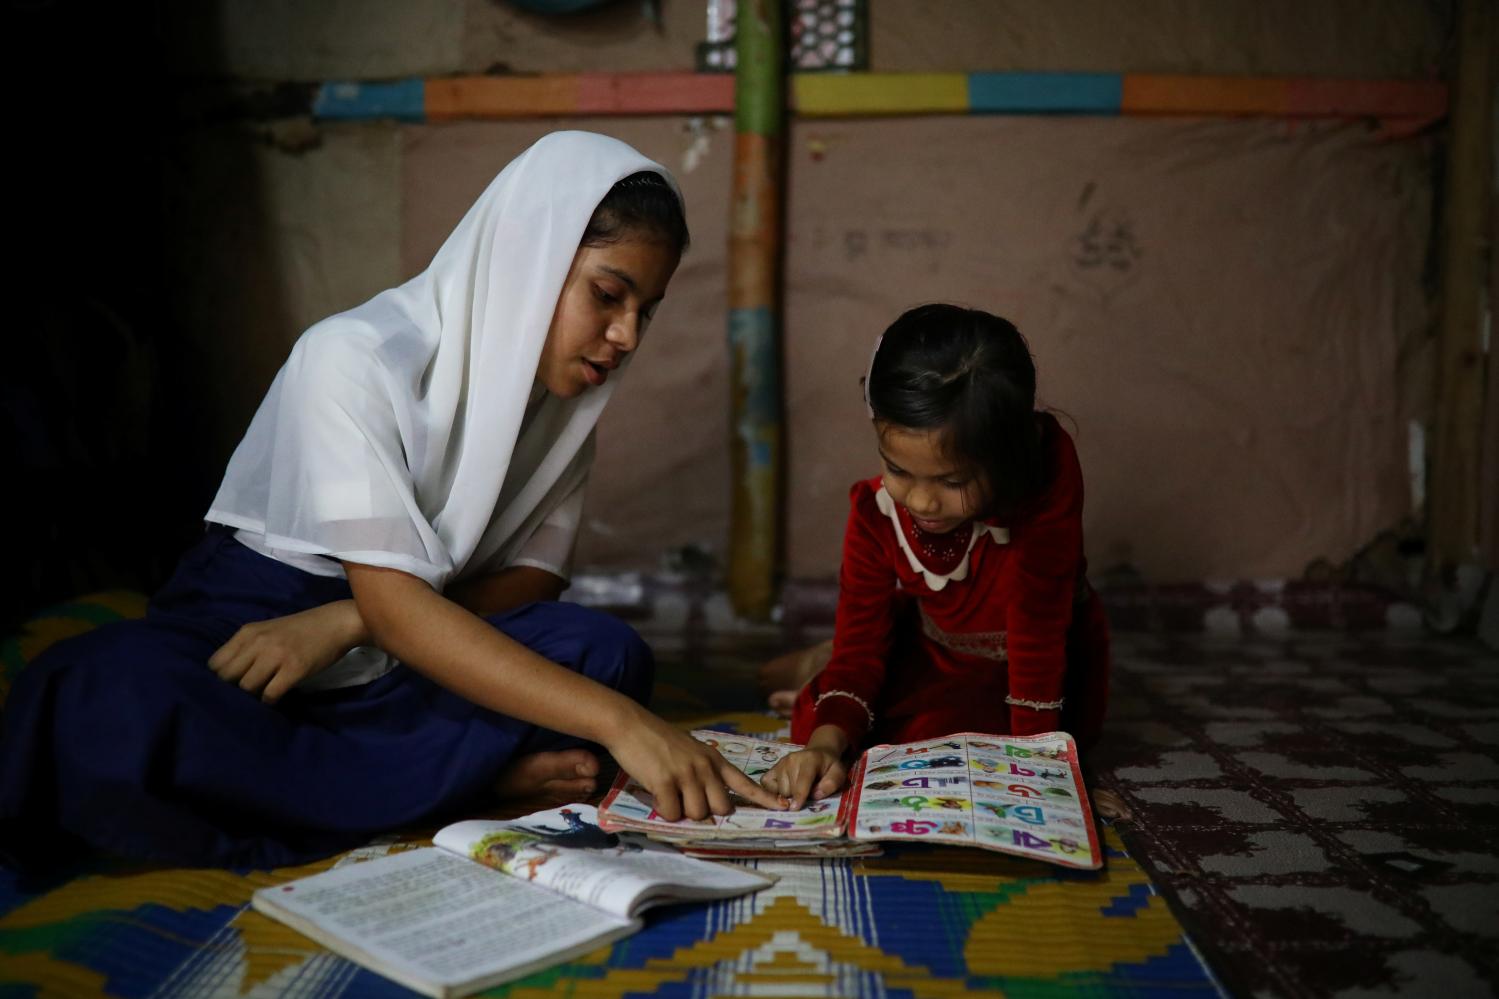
[(1288, 97), (1368, 98), (655, 93)]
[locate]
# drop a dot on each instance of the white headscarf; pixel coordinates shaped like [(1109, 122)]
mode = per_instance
[(398, 434)]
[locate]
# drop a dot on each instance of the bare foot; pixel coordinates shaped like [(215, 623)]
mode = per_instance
[(562, 775), (785, 675), (1110, 805), (782, 701)]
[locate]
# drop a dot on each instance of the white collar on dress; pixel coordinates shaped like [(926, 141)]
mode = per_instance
[(936, 581)]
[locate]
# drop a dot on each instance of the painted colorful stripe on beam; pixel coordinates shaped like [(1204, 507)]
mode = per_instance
[(1045, 93), (858, 94), (830, 95), (583, 94), (756, 461), (403, 100)]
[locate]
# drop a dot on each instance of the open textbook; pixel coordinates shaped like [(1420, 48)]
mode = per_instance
[(494, 901), (1015, 794)]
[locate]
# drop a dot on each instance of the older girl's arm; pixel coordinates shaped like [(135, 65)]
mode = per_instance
[(269, 658), (458, 650), (500, 591)]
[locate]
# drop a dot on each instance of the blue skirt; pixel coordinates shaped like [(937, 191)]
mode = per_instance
[(123, 738)]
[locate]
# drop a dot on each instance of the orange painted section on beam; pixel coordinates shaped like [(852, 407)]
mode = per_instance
[(586, 93), (1146, 93), (501, 97), (755, 221), (656, 93)]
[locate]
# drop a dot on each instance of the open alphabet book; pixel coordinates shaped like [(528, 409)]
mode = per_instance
[(1015, 794), (494, 901)]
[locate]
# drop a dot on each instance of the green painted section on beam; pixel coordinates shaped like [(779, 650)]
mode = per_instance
[(759, 76)]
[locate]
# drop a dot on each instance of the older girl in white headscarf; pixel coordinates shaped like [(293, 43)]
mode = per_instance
[(368, 635)]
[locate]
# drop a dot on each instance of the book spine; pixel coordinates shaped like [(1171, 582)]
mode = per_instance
[(1090, 823), (848, 808), (606, 821)]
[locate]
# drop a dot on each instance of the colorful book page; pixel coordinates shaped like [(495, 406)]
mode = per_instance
[(630, 806), (1020, 795)]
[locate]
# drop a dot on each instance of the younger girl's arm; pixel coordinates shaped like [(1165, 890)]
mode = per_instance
[(1048, 550), (458, 650), (847, 690)]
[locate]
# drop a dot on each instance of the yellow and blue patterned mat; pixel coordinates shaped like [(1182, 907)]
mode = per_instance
[(918, 921)]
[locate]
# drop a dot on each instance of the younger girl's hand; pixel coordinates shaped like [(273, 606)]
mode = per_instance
[(268, 658), (814, 772)]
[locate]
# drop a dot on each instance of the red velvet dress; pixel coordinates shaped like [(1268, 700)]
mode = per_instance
[(936, 635)]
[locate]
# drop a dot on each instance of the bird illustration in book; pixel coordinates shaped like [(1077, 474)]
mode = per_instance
[(580, 834)]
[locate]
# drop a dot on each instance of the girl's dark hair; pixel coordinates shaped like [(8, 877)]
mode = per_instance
[(642, 203), (970, 375)]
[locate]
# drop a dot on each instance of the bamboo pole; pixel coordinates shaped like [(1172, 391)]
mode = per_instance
[(756, 452)]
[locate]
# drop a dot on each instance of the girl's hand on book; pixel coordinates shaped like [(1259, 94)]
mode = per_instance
[(684, 776), (813, 772), (268, 658)]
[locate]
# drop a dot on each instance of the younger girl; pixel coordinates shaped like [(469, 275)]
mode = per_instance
[(963, 604), (368, 637)]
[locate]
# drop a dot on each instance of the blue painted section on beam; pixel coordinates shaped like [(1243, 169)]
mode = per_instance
[(1045, 93), (752, 340), (401, 99)]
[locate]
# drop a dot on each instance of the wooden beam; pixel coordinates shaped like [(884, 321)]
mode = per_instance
[(825, 95), (1467, 224)]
